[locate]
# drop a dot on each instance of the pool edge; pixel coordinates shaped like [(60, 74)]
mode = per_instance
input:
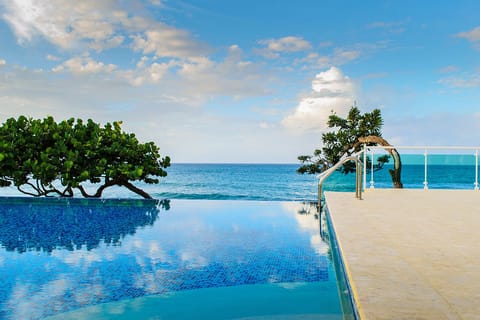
[(343, 265)]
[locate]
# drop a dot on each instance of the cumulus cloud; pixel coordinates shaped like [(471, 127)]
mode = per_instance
[(147, 72), (112, 42), (97, 25), (332, 92), (61, 22), (286, 44), (2, 62), (78, 28), (471, 35), (84, 65), (166, 41), (232, 76)]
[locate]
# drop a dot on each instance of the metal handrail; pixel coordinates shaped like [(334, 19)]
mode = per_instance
[(358, 176)]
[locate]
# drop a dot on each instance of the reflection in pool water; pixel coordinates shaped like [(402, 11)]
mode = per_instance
[(44, 225), (58, 256)]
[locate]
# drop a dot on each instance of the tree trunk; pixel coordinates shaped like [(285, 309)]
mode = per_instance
[(99, 191), (395, 173), (139, 191), (109, 183)]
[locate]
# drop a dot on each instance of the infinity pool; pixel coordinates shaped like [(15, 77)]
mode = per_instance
[(182, 259)]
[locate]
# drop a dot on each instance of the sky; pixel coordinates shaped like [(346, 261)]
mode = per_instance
[(212, 81)]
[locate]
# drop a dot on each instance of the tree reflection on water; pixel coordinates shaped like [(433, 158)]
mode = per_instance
[(72, 224)]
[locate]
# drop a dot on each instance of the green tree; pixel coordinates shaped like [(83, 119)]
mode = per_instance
[(42, 157), (347, 137)]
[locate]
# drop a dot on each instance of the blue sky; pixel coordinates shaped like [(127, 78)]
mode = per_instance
[(245, 81)]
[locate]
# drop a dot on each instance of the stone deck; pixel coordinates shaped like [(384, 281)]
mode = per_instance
[(411, 254)]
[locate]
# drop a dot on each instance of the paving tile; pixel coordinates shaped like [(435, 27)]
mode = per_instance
[(411, 254)]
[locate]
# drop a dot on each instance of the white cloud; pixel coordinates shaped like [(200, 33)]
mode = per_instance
[(232, 76), (112, 42), (307, 222), (391, 27), (84, 65), (472, 35), (165, 41), (147, 72), (29, 306), (265, 125), (51, 57), (465, 81), (3, 62), (342, 56), (332, 92), (338, 57), (286, 44), (448, 69), (313, 60), (62, 22), (97, 25)]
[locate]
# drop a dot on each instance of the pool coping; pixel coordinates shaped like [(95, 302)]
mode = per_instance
[(342, 273)]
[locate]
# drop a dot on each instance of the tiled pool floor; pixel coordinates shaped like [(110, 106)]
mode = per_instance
[(82, 256)]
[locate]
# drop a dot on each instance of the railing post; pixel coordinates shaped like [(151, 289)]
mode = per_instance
[(372, 183), (476, 170), (320, 198), (425, 182), (359, 180), (364, 166)]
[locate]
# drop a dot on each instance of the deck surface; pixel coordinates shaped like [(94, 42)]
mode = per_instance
[(411, 254)]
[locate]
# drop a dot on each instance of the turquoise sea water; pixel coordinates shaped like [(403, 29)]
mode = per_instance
[(280, 182)]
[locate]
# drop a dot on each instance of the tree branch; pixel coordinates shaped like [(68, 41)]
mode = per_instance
[(84, 193), (139, 191), (29, 193)]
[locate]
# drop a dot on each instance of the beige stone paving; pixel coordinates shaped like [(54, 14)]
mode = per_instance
[(411, 254)]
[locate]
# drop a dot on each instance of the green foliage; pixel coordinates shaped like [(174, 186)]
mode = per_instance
[(343, 141), (42, 157)]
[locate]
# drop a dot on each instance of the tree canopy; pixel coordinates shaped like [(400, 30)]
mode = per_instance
[(41, 157), (347, 137)]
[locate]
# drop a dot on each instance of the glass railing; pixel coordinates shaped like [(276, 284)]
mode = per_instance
[(433, 167)]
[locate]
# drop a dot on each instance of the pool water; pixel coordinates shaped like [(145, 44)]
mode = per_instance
[(181, 259)]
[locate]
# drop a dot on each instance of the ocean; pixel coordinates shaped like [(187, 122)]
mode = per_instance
[(281, 182)]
